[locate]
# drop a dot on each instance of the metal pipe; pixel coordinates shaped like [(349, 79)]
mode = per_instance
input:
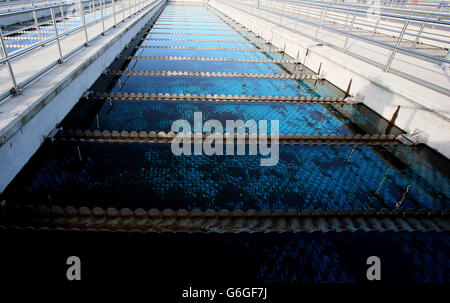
[(407, 51), (344, 50), (15, 90), (90, 11), (55, 28), (323, 12), (419, 34), (37, 25), (7, 59), (346, 18), (114, 12), (363, 11), (123, 10), (83, 22), (376, 27), (62, 17), (394, 51), (101, 15)]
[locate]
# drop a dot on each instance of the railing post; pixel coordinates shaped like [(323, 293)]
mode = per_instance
[(90, 11), (324, 12), (102, 5), (36, 24), (15, 90), (419, 34), (114, 12), (394, 51), (83, 21), (346, 18), (55, 28), (62, 16), (123, 10), (376, 27), (344, 50)]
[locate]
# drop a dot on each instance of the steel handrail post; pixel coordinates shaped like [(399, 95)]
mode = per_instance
[(15, 90), (83, 22), (55, 29), (102, 15), (394, 51), (114, 12), (36, 24), (344, 50)]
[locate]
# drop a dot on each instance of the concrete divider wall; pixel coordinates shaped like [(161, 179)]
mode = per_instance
[(50, 103), (378, 88)]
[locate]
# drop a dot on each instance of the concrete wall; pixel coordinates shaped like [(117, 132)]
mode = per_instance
[(49, 107), (383, 92)]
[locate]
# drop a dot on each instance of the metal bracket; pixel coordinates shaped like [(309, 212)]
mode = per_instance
[(359, 98), (319, 77), (322, 75), (53, 133), (415, 137), (17, 91), (86, 94)]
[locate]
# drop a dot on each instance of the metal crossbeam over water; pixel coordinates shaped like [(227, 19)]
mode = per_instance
[(209, 59), (211, 74), (236, 221), (225, 29), (116, 136), (215, 97), (195, 34), (205, 40), (212, 48)]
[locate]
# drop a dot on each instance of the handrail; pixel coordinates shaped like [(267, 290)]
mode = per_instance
[(361, 6), (11, 7), (39, 8), (24, 3), (394, 48), (136, 5), (334, 16), (359, 37), (410, 18)]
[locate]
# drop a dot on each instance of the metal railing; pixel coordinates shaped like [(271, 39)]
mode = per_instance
[(115, 10), (393, 23), (419, 7), (363, 10), (19, 5), (289, 19)]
